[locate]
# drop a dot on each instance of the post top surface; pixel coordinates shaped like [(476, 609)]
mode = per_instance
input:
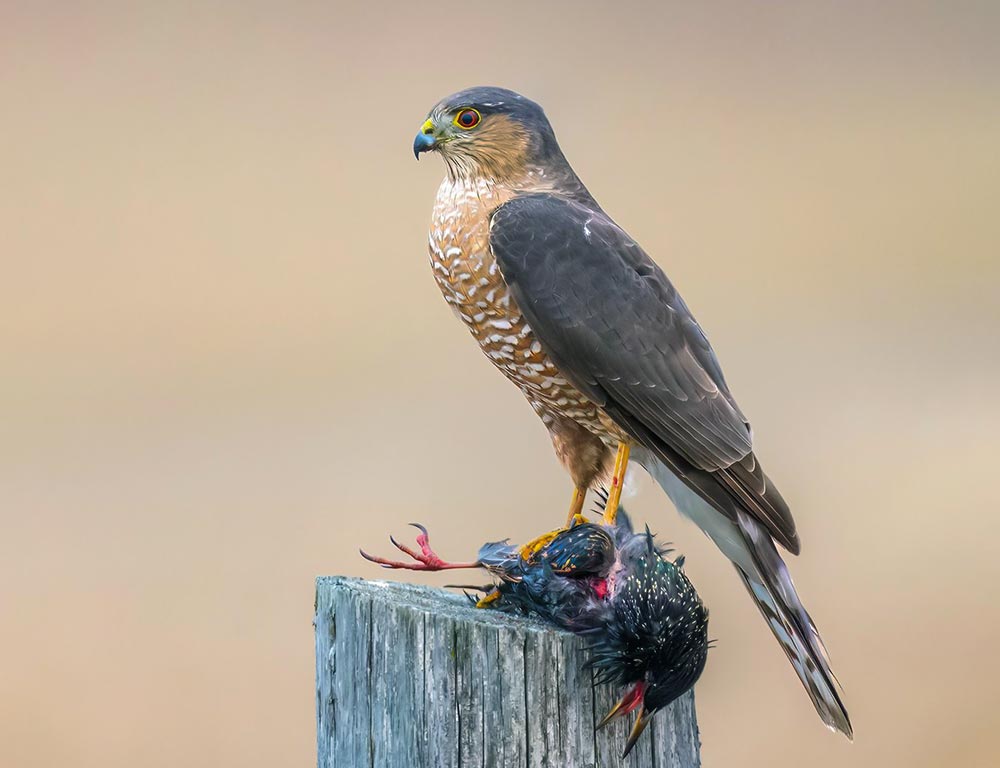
[(433, 600)]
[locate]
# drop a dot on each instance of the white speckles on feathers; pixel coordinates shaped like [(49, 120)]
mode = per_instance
[(470, 280)]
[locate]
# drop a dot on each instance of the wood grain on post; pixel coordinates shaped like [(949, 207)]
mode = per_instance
[(412, 677)]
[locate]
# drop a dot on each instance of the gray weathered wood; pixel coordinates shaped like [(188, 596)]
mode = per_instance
[(411, 677)]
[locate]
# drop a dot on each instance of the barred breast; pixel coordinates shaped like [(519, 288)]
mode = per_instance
[(471, 283)]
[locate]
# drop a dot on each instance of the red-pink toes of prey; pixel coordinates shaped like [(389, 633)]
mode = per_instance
[(426, 559)]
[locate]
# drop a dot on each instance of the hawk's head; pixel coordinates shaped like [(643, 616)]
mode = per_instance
[(488, 132)]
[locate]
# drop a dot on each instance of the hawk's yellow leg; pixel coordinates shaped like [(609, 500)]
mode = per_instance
[(576, 506), (575, 517), (617, 479)]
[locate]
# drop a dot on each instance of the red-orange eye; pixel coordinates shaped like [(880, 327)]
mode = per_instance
[(467, 118)]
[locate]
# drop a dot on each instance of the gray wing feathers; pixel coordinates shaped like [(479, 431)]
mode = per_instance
[(617, 329), (609, 315)]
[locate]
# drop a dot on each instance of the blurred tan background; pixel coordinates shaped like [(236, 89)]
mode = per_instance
[(225, 364)]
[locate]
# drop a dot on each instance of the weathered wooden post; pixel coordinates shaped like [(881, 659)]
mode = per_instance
[(411, 677)]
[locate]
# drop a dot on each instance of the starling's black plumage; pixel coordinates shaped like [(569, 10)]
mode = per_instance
[(647, 626)]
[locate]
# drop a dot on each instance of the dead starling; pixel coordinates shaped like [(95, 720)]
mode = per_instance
[(647, 628)]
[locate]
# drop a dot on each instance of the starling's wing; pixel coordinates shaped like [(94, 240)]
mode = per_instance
[(617, 329), (581, 551)]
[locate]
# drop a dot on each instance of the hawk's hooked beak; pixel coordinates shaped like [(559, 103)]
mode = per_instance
[(425, 139)]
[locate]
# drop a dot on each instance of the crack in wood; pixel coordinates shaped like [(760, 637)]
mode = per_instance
[(397, 672)]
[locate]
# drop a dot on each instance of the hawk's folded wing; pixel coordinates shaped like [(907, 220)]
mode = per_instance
[(617, 330)]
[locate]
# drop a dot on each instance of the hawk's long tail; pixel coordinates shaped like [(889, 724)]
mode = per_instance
[(751, 549), (774, 593)]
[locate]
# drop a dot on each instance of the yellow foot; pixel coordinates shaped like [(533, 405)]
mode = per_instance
[(575, 517), (490, 597), (539, 543)]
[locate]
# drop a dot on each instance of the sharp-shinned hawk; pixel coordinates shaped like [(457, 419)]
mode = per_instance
[(576, 314)]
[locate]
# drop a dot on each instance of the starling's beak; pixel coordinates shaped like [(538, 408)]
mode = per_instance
[(640, 725), (616, 711), (425, 140), (628, 702)]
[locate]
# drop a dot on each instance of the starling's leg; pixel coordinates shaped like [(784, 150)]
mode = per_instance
[(489, 597), (617, 479), (575, 517), (424, 560)]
